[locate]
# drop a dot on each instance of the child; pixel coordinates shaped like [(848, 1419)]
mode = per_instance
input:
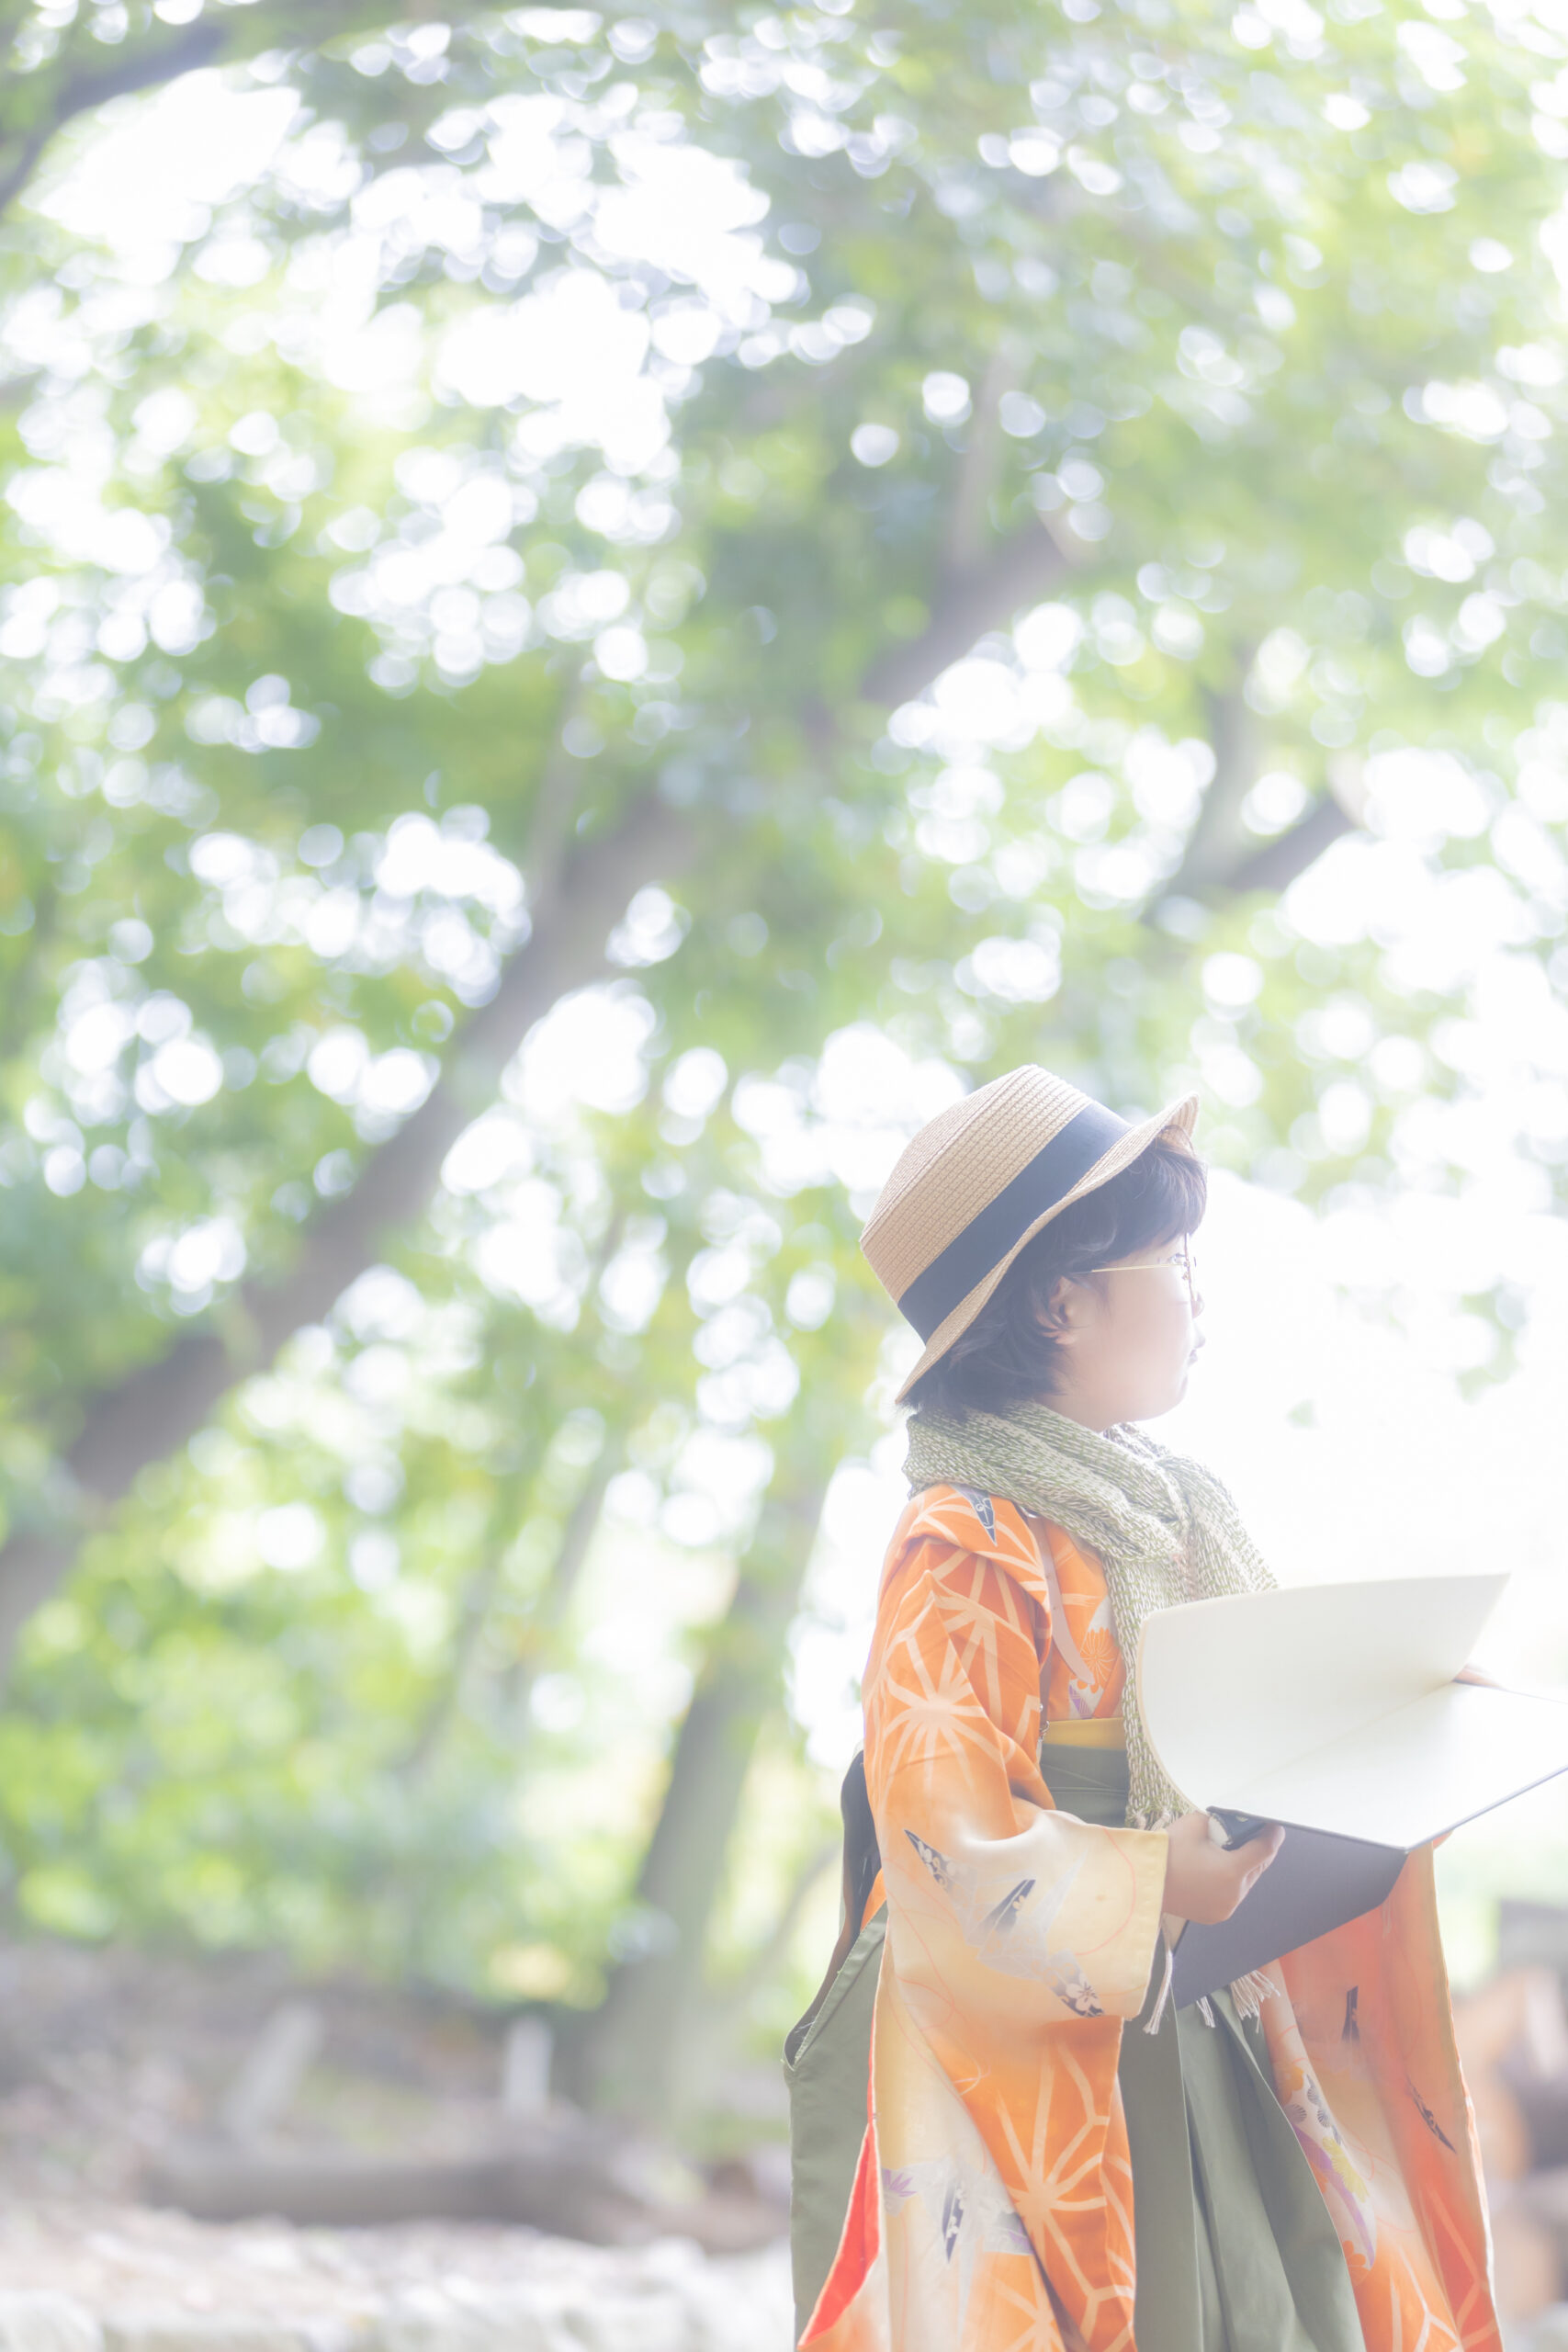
[(1058, 2160)]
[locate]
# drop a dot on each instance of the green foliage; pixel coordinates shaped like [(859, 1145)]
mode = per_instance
[(992, 480)]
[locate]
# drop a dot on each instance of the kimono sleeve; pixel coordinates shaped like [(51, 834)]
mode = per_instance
[(996, 1900)]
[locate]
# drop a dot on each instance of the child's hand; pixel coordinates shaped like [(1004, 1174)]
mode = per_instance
[(1205, 1881)]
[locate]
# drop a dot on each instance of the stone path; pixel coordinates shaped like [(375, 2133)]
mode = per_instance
[(122, 2279)]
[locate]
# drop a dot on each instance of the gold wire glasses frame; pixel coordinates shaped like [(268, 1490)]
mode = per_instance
[(1185, 1263)]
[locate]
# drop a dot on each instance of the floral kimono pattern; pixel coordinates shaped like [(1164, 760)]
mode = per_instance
[(993, 2208)]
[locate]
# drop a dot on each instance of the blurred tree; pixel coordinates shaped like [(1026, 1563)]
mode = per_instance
[(878, 551)]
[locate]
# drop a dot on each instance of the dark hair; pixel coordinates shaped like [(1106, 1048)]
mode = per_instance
[(1005, 1356)]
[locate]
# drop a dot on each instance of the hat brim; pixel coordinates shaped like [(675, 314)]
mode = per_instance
[(1180, 1117)]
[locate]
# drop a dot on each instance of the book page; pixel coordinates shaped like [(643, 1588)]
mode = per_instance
[(1233, 1690), (1417, 1772)]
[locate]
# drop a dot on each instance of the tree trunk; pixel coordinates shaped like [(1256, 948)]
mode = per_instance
[(630, 2054)]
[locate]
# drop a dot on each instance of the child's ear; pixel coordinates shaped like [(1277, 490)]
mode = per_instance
[(1061, 1315)]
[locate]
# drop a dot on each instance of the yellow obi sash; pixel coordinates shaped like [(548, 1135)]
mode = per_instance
[(1085, 1731)]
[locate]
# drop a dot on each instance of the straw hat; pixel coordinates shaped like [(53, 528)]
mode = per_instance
[(980, 1180)]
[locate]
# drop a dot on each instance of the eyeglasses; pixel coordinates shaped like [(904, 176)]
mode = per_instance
[(1182, 1259)]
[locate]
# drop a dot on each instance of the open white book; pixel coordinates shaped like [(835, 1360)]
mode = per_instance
[(1334, 1709)]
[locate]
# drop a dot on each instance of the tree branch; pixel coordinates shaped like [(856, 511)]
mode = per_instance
[(1219, 838), (156, 61), (969, 521), (581, 1526), (483, 1585), (163, 57), (473, 1614), (34, 107), (1274, 865), (158, 1407), (1224, 857), (967, 602)]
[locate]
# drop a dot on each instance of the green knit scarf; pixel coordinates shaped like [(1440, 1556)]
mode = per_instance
[(1164, 1529)]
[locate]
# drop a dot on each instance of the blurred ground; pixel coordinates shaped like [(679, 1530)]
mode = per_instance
[(105, 2054), (113, 2063), (111, 2057), (72, 2277)]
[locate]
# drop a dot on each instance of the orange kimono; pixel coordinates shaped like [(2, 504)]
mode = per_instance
[(992, 2211)]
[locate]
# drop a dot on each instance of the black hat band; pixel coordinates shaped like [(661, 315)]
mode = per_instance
[(986, 1238)]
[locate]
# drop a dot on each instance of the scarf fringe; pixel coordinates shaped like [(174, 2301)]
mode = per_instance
[(1157, 2013), (1250, 1992)]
